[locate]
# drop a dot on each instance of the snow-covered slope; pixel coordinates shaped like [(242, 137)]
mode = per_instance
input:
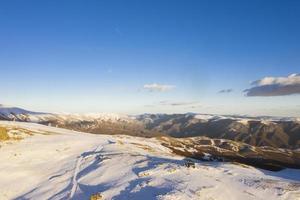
[(41, 162)]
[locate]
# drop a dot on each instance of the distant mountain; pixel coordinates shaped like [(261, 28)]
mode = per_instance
[(100, 123), (17, 114), (257, 131)]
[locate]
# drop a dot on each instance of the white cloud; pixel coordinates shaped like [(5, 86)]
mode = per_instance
[(155, 87), (289, 80), (275, 86)]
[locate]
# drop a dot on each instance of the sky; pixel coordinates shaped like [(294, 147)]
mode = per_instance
[(166, 56)]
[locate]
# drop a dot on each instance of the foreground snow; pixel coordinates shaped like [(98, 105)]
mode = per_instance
[(51, 163)]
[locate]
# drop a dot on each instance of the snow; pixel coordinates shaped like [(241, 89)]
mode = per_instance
[(206, 117), (244, 122), (56, 163)]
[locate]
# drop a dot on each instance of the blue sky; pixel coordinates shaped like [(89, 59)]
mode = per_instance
[(98, 56)]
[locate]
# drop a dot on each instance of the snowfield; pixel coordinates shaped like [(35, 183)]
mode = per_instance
[(41, 162)]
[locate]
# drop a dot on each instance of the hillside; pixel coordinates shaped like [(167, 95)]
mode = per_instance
[(256, 131), (53, 163)]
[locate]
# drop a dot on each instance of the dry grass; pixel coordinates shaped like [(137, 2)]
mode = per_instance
[(97, 196), (144, 147), (25, 131), (241, 164), (120, 142), (3, 134), (15, 133)]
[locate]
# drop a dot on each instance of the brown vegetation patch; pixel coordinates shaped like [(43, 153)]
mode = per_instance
[(144, 147), (3, 134), (97, 196)]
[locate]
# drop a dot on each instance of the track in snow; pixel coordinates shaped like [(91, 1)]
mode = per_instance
[(79, 163)]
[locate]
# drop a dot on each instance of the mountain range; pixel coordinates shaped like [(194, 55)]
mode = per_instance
[(260, 131)]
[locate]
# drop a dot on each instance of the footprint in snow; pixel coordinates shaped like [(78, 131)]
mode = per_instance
[(204, 192)]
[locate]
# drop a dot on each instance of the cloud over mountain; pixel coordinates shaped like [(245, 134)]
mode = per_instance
[(155, 87), (275, 86)]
